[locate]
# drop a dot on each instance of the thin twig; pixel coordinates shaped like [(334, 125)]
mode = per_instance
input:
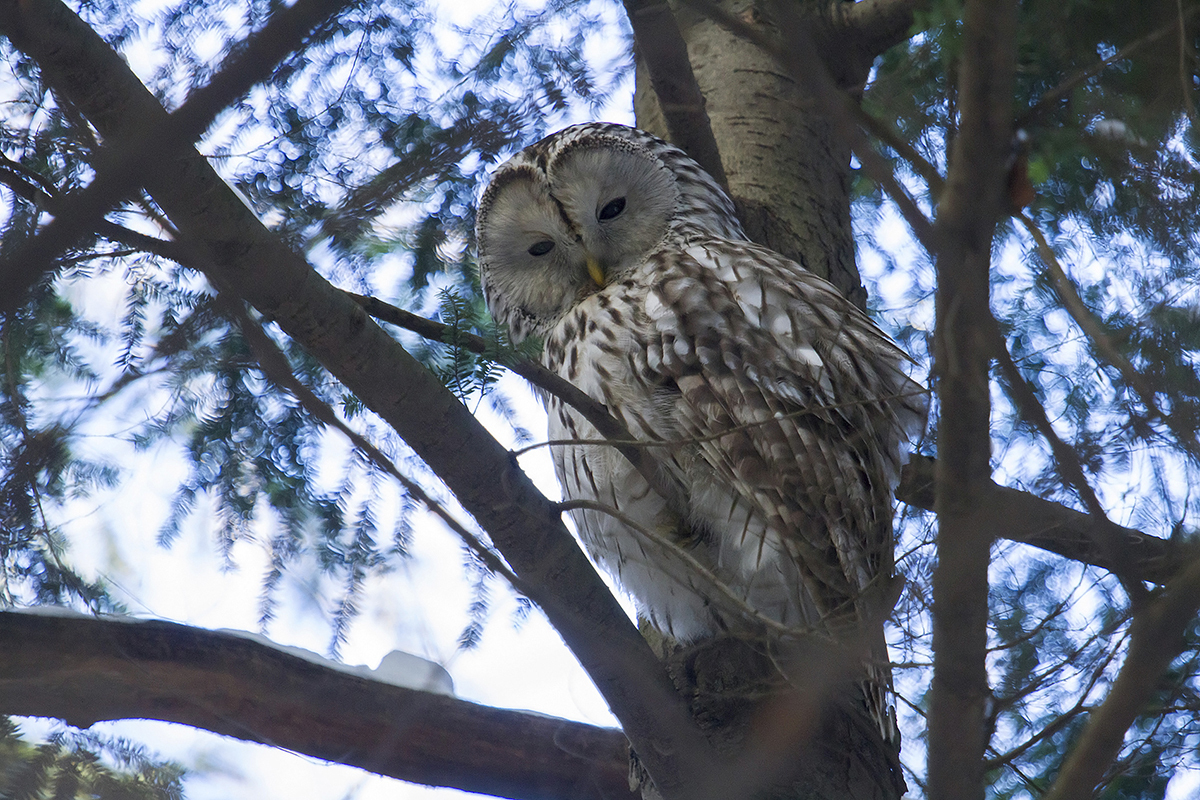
[(1048, 731), (884, 133), (1092, 328), (1084, 75), (1069, 466), (275, 367), (745, 426), (1156, 639), (656, 474)]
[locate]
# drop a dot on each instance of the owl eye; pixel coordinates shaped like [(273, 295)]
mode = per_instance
[(612, 209), (541, 248)]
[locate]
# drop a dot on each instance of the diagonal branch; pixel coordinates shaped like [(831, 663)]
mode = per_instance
[(662, 481), (367, 201), (1063, 90), (1065, 458), (1156, 638), (234, 686), (662, 49), (1087, 322), (124, 167)]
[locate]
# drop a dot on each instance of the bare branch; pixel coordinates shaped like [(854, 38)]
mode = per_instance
[(971, 205), (1069, 466), (1021, 517), (662, 49), (1156, 638), (1062, 90), (37, 190), (427, 158), (1060, 722), (884, 133), (234, 686)]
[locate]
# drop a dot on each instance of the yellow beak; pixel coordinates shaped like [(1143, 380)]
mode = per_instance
[(596, 271)]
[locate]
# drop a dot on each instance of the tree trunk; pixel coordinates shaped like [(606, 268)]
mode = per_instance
[(794, 726), (788, 169)]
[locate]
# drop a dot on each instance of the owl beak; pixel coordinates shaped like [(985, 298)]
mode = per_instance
[(596, 271)]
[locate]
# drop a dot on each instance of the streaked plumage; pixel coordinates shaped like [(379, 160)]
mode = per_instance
[(787, 406)]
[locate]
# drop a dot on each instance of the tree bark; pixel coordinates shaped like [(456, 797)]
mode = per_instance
[(84, 670), (793, 723), (788, 171), (970, 207), (1004, 513)]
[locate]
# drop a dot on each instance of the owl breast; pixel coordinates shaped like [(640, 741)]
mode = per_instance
[(710, 569)]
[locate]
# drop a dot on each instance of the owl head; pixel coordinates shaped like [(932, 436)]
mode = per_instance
[(574, 212)]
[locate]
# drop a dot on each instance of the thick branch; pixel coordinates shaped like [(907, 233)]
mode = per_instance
[(256, 265), (85, 670), (1156, 639), (1004, 513), (972, 203), (662, 49)]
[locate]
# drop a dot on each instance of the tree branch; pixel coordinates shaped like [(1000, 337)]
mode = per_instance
[(1011, 514), (878, 25), (252, 262), (1094, 330), (1156, 638), (84, 670), (972, 203), (1070, 469), (662, 49), (666, 485), (367, 201), (140, 142), (1044, 103)]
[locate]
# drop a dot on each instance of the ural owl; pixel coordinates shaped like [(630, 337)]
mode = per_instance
[(779, 406)]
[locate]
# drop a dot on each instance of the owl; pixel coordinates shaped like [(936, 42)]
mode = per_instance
[(777, 404)]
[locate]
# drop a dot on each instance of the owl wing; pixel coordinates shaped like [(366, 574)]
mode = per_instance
[(793, 397)]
